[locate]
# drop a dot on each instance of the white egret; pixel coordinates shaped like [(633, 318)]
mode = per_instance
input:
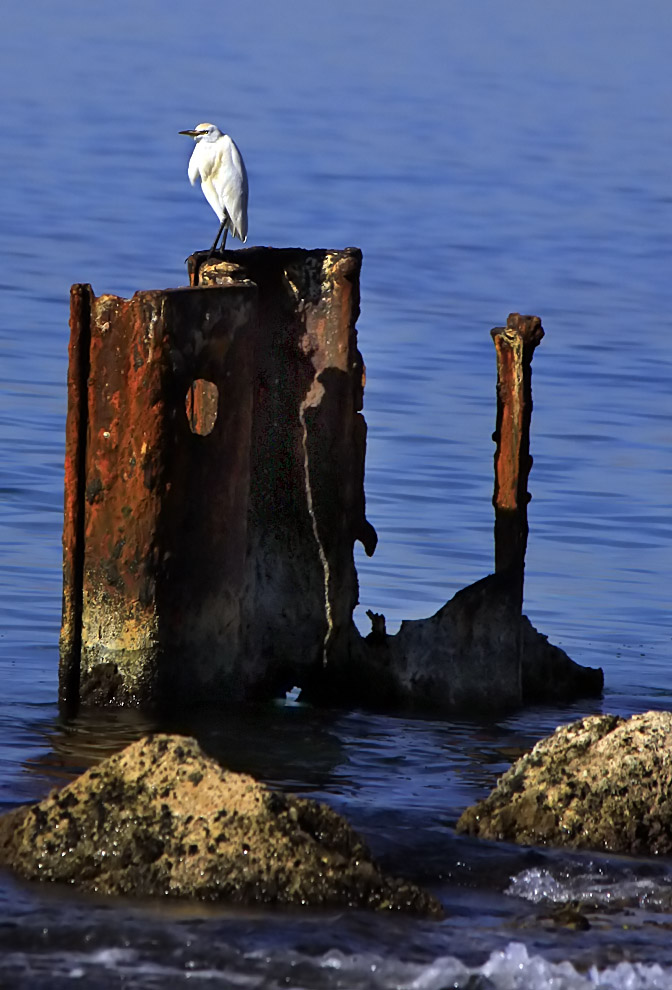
[(218, 163)]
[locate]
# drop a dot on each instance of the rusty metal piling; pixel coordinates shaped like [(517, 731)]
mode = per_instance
[(156, 487), (214, 490), (214, 482), (514, 346)]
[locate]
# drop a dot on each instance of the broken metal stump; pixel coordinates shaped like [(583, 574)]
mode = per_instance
[(478, 653), (214, 482)]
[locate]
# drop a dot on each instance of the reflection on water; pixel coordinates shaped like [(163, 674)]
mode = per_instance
[(487, 158), (84, 741)]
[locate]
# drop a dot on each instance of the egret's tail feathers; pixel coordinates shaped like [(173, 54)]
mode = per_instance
[(236, 232)]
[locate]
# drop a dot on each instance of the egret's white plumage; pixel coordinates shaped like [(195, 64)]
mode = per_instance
[(218, 163)]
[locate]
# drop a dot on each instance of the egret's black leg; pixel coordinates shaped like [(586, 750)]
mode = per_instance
[(226, 230), (214, 246)]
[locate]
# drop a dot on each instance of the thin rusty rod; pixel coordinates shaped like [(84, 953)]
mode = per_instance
[(75, 483), (514, 346)]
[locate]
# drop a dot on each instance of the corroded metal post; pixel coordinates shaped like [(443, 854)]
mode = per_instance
[(308, 449), (160, 393), (214, 482), (515, 345)]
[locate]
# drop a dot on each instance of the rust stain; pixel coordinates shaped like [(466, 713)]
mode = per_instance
[(201, 404)]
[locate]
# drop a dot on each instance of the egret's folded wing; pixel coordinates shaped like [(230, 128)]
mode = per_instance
[(193, 170), (230, 180)]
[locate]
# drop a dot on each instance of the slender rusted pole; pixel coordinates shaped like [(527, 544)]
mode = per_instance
[(515, 345), (75, 482)]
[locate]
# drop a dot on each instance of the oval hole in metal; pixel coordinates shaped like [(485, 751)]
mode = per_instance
[(201, 405)]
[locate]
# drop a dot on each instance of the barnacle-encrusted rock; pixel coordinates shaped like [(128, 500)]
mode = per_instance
[(162, 818), (603, 782)]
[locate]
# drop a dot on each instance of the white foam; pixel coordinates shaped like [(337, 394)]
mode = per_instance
[(292, 697), (596, 888), (512, 968)]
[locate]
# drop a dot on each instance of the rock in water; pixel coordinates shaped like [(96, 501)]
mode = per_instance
[(603, 783), (161, 818)]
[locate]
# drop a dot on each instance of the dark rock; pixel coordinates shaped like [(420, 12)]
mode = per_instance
[(161, 818), (603, 783)]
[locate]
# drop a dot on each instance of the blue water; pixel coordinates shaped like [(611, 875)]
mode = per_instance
[(487, 158)]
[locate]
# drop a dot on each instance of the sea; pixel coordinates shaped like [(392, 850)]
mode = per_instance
[(487, 158)]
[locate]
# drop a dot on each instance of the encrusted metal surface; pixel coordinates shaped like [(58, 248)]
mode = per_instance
[(155, 514), (309, 438), (214, 481)]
